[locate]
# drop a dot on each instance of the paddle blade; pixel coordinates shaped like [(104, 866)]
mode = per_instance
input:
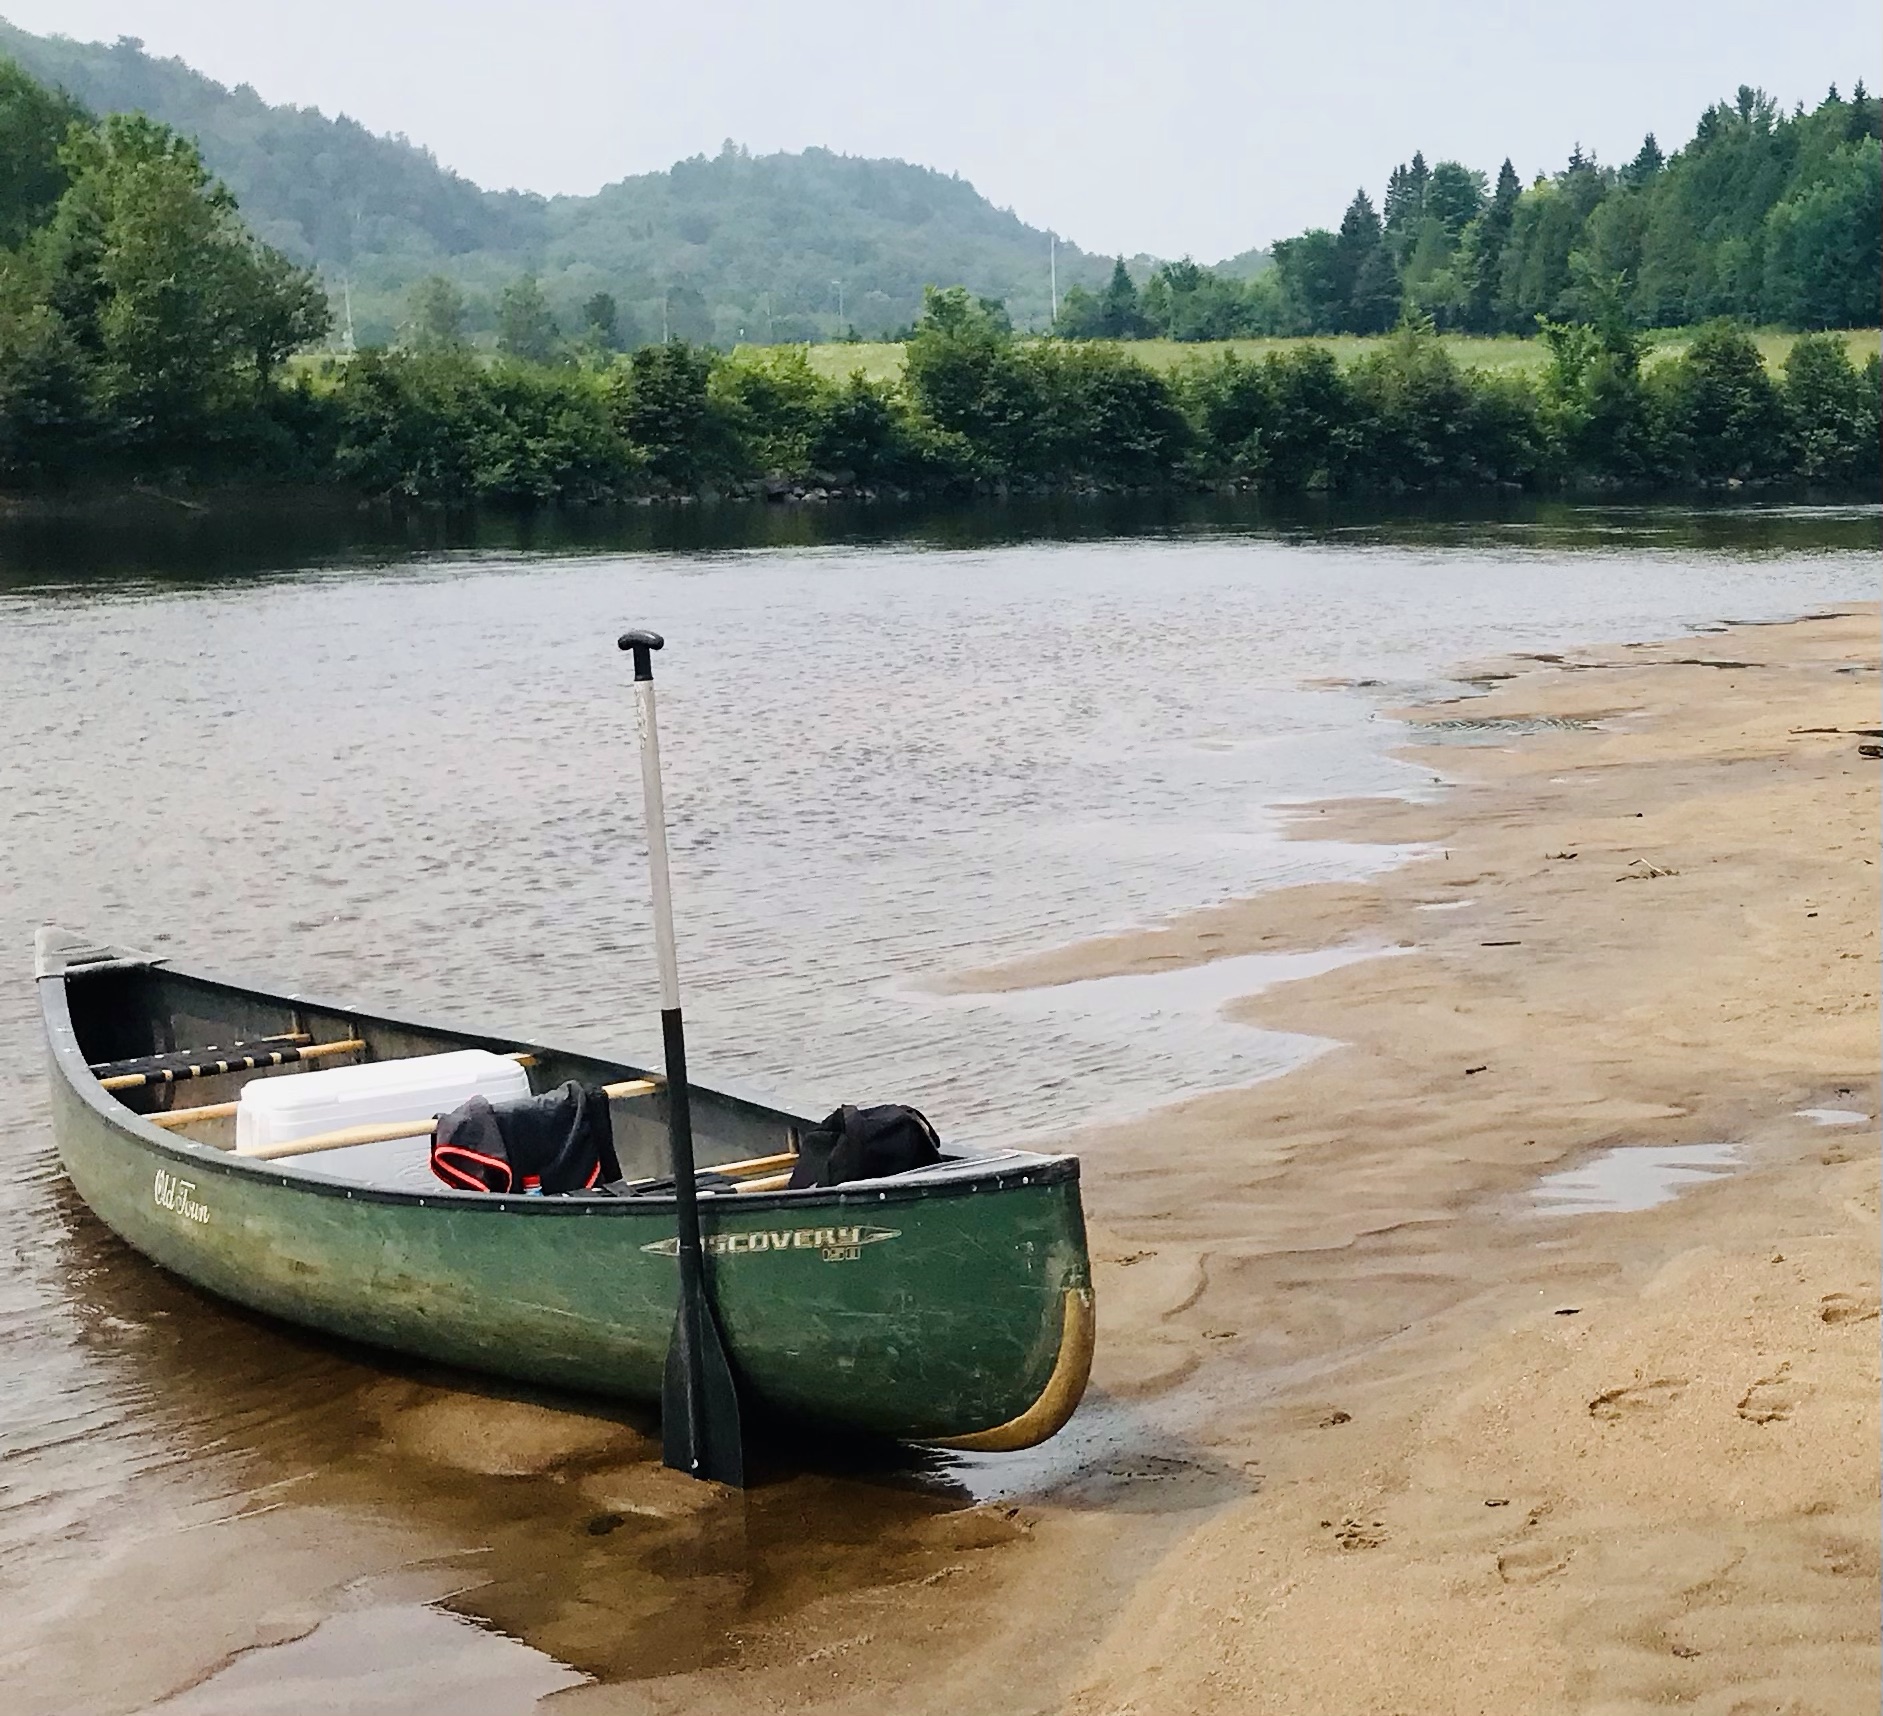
[(699, 1403)]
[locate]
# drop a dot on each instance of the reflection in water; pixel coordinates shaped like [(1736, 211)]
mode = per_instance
[(262, 534), (1633, 1177), (393, 761), (1174, 1020), (410, 1660)]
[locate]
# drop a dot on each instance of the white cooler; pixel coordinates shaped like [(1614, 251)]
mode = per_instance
[(299, 1105)]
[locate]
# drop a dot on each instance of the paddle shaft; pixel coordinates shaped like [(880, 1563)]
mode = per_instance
[(672, 1037), (707, 1443)]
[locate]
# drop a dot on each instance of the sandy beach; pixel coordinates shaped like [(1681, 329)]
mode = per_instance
[(1433, 1450)]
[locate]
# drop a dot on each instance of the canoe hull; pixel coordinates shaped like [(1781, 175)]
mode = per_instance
[(952, 1311)]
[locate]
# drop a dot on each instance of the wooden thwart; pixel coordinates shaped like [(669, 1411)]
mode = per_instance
[(384, 1132), (223, 1110), (769, 1183)]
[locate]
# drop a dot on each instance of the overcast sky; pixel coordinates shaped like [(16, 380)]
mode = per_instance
[(1169, 126)]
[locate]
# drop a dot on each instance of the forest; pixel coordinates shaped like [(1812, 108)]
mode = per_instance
[(1766, 217), (147, 333), (717, 249)]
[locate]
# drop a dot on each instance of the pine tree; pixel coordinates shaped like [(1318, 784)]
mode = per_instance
[(1357, 248), (1647, 162), (1119, 315), (1493, 234), (1405, 200)]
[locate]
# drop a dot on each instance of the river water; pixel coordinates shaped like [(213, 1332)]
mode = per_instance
[(401, 770)]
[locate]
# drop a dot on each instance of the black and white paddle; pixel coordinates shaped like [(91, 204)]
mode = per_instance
[(699, 1400)]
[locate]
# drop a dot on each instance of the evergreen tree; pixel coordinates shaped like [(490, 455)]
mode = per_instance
[(1861, 121), (1404, 208), (1647, 162), (1374, 306), (1119, 317), (1357, 250), (1487, 238)]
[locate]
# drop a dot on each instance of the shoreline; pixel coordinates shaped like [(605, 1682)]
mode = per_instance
[(1367, 1432), (138, 501)]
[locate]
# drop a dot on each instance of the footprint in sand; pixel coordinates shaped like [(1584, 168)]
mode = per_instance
[(1636, 1398), (1848, 1307), (1770, 1399), (1358, 1533), (1530, 1562), (1849, 1558)]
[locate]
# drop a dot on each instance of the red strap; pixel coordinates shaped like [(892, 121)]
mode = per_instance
[(445, 1171)]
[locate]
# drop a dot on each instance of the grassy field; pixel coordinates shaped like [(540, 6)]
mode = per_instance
[(884, 362)]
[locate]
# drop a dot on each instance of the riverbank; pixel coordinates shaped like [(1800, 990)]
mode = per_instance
[(1435, 1448)]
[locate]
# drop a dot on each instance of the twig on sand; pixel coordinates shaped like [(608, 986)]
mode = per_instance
[(1640, 870)]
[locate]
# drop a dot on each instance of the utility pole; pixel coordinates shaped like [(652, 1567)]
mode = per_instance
[(346, 294), (839, 285), (1052, 263), (665, 337)]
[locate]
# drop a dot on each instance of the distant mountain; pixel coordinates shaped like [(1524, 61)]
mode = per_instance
[(724, 247)]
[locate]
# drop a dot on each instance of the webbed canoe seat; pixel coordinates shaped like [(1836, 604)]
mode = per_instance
[(212, 1061)]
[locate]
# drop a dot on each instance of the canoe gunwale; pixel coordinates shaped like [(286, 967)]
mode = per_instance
[(140, 1132)]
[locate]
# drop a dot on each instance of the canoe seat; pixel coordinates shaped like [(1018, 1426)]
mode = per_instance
[(237, 1057), (212, 1061)]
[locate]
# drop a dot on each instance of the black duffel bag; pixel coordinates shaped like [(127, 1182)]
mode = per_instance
[(560, 1141), (865, 1144)]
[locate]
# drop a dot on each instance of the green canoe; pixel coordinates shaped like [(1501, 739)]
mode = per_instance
[(949, 1305)]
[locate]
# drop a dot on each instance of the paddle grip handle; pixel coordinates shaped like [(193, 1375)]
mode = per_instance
[(643, 643)]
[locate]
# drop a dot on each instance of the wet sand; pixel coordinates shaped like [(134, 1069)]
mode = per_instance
[(1370, 1429), (1435, 1448)]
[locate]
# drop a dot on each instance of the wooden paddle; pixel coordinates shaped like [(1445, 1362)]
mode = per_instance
[(699, 1399)]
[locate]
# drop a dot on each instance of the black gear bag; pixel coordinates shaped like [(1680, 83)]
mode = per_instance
[(560, 1141), (865, 1144)]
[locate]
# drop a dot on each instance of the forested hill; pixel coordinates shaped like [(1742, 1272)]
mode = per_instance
[(709, 249)]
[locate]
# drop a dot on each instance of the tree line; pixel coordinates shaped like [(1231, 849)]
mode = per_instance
[(145, 331), (1764, 216)]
